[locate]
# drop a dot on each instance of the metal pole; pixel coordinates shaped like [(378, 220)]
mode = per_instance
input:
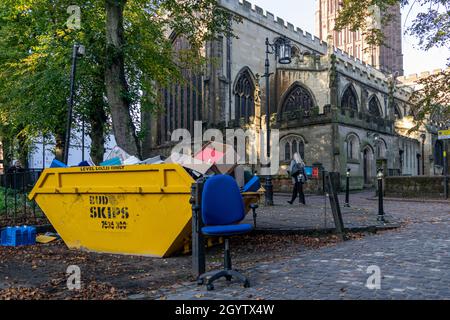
[(423, 158), (445, 170), (198, 242), (335, 208), (70, 106), (268, 185), (82, 138), (43, 152)]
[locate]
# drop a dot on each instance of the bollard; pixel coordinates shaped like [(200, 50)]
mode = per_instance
[(380, 177), (347, 190), (268, 199)]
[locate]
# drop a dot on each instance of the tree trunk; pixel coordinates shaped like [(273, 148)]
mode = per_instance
[(23, 149), (7, 155), (97, 120), (116, 83)]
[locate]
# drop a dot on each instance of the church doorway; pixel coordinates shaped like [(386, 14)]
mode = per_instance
[(368, 166)]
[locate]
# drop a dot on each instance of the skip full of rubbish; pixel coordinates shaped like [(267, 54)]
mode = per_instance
[(213, 158)]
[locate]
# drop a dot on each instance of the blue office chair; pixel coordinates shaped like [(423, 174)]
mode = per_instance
[(222, 210)]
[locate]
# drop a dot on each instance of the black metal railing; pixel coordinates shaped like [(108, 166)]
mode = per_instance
[(15, 207)]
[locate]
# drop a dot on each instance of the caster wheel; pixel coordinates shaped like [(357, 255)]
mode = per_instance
[(247, 284), (210, 287), (200, 282), (228, 278)]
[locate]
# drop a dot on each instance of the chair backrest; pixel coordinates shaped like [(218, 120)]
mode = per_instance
[(222, 202), (253, 185)]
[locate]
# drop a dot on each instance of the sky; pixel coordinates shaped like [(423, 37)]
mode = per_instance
[(301, 13)]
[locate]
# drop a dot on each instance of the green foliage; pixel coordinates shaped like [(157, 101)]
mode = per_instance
[(36, 49), (431, 28)]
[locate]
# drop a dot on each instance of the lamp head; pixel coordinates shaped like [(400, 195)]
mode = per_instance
[(380, 174), (81, 50), (284, 50)]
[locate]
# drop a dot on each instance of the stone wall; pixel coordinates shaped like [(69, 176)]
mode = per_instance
[(415, 187), (283, 184)]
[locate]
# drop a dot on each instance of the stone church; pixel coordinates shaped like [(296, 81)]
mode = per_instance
[(337, 104)]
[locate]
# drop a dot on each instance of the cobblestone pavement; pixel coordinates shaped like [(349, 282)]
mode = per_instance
[(316, 214), (414, 262)]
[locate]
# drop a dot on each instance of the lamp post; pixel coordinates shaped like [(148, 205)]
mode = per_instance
[(78, 51), (282, 49), (424, 138), (347, 189), (380, 177)]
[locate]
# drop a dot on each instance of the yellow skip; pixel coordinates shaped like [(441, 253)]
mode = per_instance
[(138, 210)]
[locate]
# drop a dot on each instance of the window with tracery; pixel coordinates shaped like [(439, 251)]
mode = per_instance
[(292, 144), (349, 100), (374, 107), (244, 93), (299, 99)]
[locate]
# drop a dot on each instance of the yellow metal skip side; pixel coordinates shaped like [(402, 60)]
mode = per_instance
[(139, 210)]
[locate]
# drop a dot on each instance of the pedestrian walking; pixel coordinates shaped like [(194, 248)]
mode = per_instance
[(299, 177)]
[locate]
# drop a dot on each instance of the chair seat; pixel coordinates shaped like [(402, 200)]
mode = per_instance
[(227, 230)]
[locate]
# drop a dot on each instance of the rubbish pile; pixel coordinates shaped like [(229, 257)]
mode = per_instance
[(213, 158)]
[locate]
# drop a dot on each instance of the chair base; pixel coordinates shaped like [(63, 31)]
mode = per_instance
[(227, 274)]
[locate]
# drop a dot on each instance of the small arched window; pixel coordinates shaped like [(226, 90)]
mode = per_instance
[(381, 149), (375, 107), (244, 94), (352, 147), (290, 145)]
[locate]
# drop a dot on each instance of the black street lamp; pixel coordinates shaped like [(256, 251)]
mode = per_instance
[(424, 138), (282, 49), (347, 189), (78, 51)]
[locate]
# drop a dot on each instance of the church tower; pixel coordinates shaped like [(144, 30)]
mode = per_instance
[(388, 58)]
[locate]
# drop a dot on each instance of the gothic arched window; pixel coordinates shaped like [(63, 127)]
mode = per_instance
[(374, 107), (244, 93), (349, 99), (381, 149), (292, 144), (298, 99), (352, 147), (397, 112)]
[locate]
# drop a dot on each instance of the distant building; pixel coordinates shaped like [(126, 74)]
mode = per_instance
[(387, 58)]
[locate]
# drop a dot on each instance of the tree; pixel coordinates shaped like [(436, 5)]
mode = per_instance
[(139, 56), (432, 29), (35, 59), (128, 51)]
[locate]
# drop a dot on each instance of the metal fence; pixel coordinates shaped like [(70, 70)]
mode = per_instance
[(15, 207)]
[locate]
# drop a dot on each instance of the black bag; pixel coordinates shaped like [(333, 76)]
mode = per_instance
[(303, 176), (296, 170)]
